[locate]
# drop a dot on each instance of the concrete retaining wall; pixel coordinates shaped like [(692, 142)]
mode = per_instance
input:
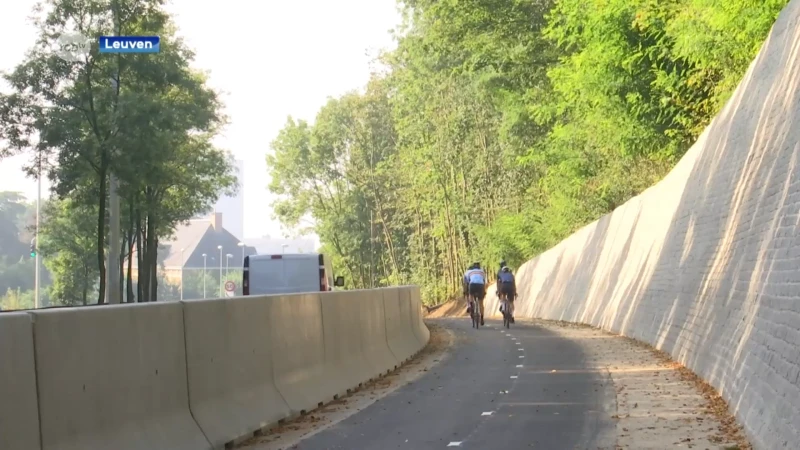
[(190, 375), (705, 265)]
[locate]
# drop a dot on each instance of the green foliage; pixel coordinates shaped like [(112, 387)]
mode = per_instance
[(502, 127), (67, 245), (16, 299), (17, 267)]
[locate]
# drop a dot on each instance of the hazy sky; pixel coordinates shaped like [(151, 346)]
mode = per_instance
[(270, 58)]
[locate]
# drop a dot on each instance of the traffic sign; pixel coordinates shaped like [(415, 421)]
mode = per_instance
[(230, 288)]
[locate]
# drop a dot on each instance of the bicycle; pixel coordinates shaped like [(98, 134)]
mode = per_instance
[(505, 307), (474, 311)]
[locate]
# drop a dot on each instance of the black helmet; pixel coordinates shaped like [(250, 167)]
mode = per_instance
[(476, 265), (502, 263)]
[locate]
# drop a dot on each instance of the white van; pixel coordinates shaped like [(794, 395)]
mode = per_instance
[(288, 274)]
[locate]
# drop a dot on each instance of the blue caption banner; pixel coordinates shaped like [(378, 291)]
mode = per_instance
[(130, 44)]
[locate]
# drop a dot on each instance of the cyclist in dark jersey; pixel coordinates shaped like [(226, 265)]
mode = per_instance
[(506, 285)]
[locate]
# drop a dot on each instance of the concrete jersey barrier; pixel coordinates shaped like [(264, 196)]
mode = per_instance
[(192, 375), (412, 293), (19, 416), (114, 377), (400, 335), (229, 355), (372, 321), (346, 365), (298, 358)]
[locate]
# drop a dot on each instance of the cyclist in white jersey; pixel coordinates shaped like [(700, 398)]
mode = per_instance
[(476, 284), (465, 281)]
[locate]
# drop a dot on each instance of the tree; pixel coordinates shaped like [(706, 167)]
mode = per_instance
[(67, 245), (503, 127), (17, 267), (12, 209), (338, 172), (148, 118)]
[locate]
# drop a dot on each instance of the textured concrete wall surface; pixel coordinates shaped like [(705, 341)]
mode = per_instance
[(705, 265)]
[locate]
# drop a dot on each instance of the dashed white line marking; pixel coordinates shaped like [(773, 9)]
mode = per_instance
[(487, 413), (521, 349), (513, 376), (521, 356), (519, 343), (519, 366), (454, 444)]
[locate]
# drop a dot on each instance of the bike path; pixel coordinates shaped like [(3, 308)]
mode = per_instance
[(497, 390)]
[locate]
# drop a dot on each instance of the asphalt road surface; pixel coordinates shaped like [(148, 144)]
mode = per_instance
[(523, 388)]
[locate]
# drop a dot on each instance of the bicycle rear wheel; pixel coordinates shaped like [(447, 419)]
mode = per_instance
[(506, 315)]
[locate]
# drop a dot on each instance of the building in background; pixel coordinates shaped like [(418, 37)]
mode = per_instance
[(232, 208), (181, 257)]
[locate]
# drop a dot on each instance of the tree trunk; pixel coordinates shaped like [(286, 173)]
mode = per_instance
[(122, 257), (129, 281), (85, 292), (387, 235), (141, 284), (101, 233), (152, 258), (132, 235)]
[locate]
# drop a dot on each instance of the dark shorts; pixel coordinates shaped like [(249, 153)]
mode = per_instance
[(477, 290), (507, 289)]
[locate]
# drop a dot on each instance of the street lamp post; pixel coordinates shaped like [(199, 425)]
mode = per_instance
[(38, 203), (183, 261), (227, 263), (113, 269), (219, 247), (204, 274), (241, 244), (283, 248)]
